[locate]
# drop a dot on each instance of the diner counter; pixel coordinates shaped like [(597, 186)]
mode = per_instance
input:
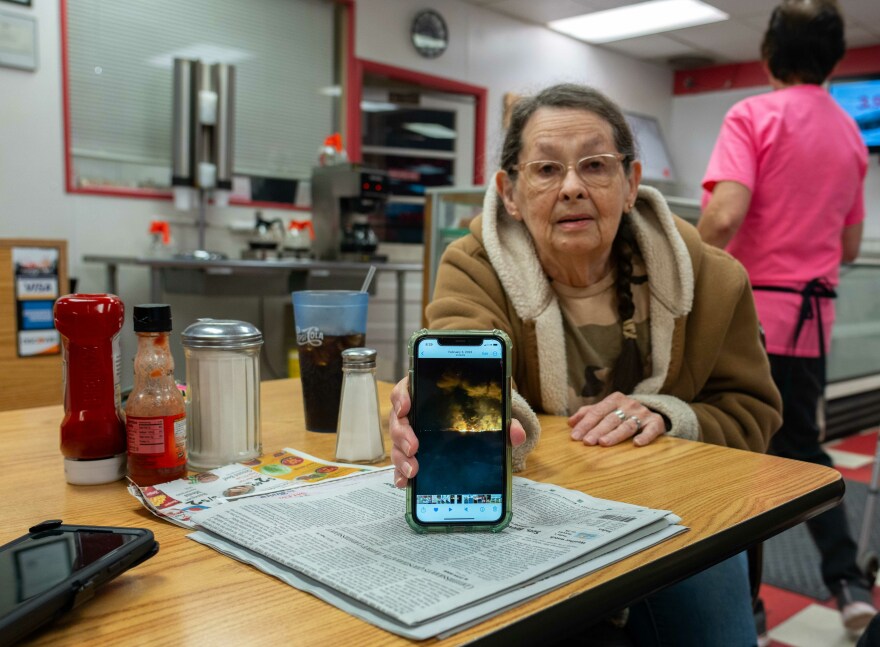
[(218, 278)]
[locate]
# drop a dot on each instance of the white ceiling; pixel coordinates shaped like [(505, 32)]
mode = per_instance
[(734, 40)]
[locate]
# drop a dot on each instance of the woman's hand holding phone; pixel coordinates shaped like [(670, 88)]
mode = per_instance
[(404, 441)]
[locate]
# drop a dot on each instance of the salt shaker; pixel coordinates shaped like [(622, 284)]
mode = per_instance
[(222, 392), (359, 434)]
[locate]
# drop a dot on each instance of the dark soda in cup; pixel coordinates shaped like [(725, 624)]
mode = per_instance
[(327, 323), (321, 371)]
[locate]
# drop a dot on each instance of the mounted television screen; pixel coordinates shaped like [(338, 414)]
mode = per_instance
[(859, 96), (656, 163)]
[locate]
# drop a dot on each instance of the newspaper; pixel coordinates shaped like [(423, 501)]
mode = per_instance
[(346, 541), (177, 501)]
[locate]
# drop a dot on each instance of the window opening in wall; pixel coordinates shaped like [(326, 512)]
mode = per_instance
[(423, 139), (118, 76)]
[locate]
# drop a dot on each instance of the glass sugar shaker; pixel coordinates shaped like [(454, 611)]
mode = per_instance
[(359, 432), (222, 392)]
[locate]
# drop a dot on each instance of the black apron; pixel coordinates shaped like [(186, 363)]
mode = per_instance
[(814, 290)]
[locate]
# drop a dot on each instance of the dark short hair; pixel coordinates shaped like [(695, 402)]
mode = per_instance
[(804, 40), (566, 95)]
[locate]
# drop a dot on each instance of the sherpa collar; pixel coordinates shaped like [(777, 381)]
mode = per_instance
[(512, 254)]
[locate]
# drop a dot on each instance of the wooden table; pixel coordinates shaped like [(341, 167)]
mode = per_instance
[(190, 594)]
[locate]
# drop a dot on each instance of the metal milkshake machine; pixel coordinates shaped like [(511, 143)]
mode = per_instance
[(344, 196), (203, 138)]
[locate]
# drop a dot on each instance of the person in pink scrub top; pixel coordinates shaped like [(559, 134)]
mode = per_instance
[(784, 194)]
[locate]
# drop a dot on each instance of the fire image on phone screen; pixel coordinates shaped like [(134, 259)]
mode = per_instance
[(459, 405)]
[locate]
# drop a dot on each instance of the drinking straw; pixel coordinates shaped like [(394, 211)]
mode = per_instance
[(369, 279)]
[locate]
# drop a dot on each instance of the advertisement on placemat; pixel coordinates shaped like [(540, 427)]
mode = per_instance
[(36, 288)]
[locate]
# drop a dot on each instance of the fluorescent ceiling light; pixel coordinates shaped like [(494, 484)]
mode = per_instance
[(638, 20), (434, 131)]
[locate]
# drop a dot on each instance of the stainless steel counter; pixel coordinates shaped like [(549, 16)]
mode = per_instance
[(219, 276)]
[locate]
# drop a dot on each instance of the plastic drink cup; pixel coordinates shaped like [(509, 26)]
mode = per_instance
[(327, 323)]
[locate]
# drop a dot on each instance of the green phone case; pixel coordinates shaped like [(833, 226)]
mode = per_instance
[(508, 454)]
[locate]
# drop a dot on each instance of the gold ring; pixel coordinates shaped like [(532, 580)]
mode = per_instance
[(638, 423), (620, 414)]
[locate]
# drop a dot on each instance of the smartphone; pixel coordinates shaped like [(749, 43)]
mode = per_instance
[(460, 389), (57, 567)]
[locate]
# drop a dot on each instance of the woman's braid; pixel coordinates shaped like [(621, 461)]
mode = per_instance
[(628, 371)]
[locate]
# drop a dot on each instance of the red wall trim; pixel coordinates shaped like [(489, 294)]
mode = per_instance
[(161, 194), (861, 60), (353, 93), (123, 192), (480, 136), (353, 90), (65, 101), (286, 206), (445, 85), (351, 81)]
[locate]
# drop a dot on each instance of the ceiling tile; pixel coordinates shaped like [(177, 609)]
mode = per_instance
[(857, 36), (540, 12), (757, 21), (730, 40), (652, 47), (861, 9), (602, 5), (737, 39), (738, 8)]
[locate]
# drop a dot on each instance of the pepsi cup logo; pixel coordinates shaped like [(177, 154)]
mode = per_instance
[(311, 336)]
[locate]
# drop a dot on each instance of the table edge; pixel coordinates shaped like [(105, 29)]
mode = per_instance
[(583, 609)]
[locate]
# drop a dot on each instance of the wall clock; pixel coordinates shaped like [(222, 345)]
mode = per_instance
[(429, 33)]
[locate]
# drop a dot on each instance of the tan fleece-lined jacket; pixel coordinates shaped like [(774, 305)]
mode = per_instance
[(710, 375)]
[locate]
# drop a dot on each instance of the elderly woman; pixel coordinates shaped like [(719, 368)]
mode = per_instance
[(620, 318)]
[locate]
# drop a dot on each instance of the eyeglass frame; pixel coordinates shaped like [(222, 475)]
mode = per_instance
[(623, 158)]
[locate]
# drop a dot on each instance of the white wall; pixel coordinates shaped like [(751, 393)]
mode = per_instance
[(696, 120), (505, 55), (486, 49), (502, 55)]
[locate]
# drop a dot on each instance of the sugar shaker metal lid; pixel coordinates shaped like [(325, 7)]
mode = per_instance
[(221, 333), (359, 357)]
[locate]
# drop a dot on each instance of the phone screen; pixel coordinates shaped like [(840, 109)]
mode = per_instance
[(459, 405), (46, 559)]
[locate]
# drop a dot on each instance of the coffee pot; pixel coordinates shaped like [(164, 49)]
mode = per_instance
[(265, 238), (359, 238), (298, 241)]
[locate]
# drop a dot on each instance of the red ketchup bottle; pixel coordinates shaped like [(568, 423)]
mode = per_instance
[(93, 430)]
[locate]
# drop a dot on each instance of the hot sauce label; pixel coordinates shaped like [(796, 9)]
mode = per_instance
[(158, 441)]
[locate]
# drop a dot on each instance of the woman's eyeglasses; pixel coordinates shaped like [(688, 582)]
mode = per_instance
[(596, 171)]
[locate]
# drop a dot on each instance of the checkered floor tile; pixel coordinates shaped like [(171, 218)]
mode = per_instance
[(798, 621)]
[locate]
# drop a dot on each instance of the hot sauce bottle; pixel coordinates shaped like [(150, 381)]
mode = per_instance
[(155, 413), (93, 430)]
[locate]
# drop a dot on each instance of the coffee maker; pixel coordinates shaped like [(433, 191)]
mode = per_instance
[(344, 196)]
